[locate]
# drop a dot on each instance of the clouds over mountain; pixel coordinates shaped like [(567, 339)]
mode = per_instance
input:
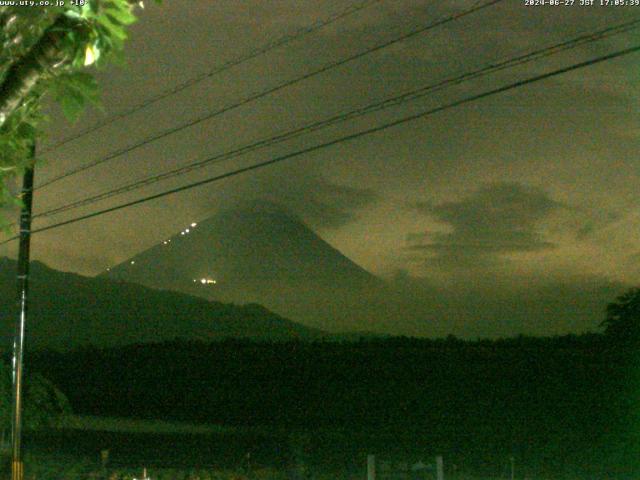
[(319, 201)]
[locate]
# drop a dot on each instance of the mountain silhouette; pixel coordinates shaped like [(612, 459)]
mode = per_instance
[(260, 253), (68, 310)]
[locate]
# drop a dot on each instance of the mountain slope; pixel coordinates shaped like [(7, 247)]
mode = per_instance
[(68, 310), (262, 254)]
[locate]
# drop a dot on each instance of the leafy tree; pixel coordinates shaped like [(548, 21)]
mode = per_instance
[(47, 50), (622, 322), (44, 403)]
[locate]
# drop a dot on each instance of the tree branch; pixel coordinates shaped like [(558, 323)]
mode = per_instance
[(23, 76), (45, 56)]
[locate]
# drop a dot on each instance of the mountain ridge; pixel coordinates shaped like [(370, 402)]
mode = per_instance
[(261, 253), (68, 310)]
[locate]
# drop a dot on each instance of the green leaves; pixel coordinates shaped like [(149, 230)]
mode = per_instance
[(622, 322), (109, 19), (16, 138), (78, 36), (99, 31), (44, 404), (119, 13), (74, 91)]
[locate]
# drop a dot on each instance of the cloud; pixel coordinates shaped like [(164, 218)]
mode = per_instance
[(320, 202), (595, 221), (497, 219)]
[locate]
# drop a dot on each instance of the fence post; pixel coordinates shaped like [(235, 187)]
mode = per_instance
[(371, 467), (439, 468)]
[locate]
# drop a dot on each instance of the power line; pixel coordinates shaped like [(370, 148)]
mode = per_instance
[(345, 138), (279, 42), (264, 93), (531, 56), (408, 96)]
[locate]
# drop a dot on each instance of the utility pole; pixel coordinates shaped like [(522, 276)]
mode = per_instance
[(17, 468)]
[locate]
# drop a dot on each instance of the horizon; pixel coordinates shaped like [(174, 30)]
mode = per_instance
[(341, 333), (527, 191)]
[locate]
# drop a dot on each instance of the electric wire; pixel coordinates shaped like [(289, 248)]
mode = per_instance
[(274, 44), (374, 107), (346, 138), (264, 93)]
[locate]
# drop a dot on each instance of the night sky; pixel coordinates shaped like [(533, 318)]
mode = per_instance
[(515, 213)]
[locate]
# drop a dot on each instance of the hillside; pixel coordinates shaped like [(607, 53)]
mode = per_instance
[(69, 310), (260, 253)]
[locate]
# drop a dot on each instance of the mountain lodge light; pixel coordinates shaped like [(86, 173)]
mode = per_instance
[(205, 281)]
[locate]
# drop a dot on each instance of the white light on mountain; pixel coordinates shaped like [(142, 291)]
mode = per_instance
[(165, 242), (187, 230), (207, 281), (203, 281), (132, 262), (194, 224), (181, 233)]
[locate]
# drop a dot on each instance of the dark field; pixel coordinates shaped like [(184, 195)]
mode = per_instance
[(563, 408), (321, 453)]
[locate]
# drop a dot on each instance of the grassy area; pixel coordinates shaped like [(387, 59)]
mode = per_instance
[(183, 451)]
